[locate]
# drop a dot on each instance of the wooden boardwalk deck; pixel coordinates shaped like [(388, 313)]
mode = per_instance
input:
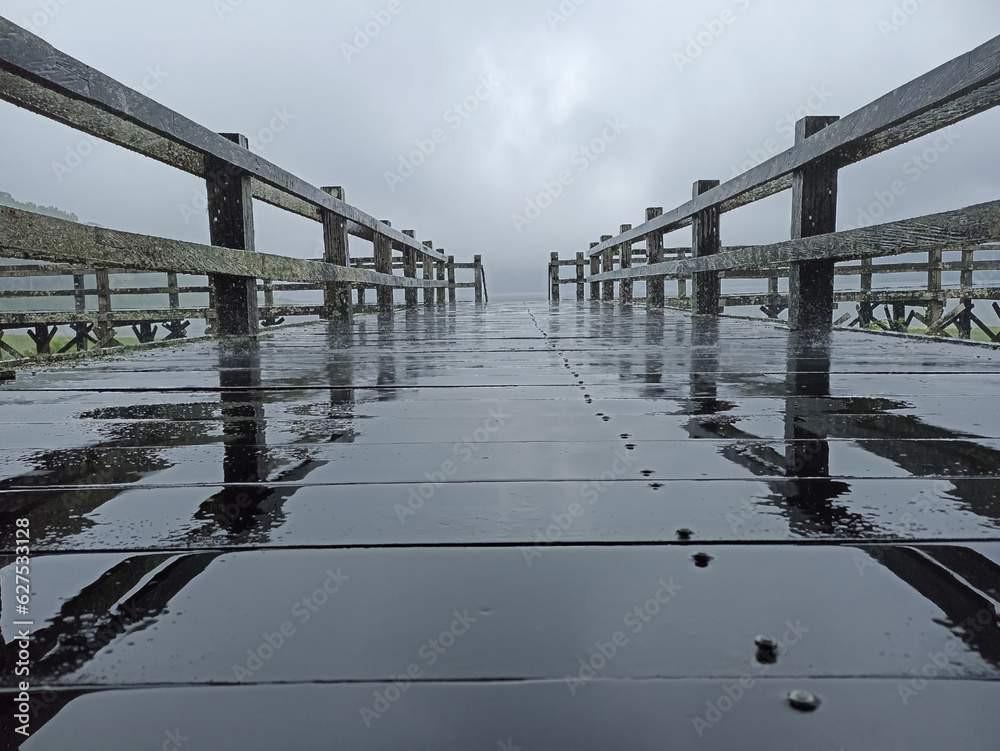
[(511, 526)]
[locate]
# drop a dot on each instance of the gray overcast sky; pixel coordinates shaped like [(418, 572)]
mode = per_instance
[(504, 96)]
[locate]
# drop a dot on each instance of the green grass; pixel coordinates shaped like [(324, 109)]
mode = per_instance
[(24, 344)]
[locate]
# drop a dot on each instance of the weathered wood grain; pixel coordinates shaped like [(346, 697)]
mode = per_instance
[(625, 254), (595, 270), (230, 221), (24, 234), (950, 230), (554, 280), (814, 212), (654, 254), (382, 262), (705, 243)]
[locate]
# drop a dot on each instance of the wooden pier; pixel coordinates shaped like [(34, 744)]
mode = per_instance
[(576, 524)]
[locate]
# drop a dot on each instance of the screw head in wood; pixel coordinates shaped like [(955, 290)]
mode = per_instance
[(803, 700), (767, 650), (701, 559)]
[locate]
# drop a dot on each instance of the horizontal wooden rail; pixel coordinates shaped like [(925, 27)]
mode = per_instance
[(119, 317), (38, 77), (24, 234), (952, 230), (957, 90)]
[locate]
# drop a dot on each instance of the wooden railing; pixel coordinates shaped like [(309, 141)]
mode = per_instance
[(892, 307), (960, 89), (36, 76), (97, 304)]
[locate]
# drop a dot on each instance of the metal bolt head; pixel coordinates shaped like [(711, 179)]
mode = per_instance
[(803, 700), (767, 650), (684, 534), (701, 560)]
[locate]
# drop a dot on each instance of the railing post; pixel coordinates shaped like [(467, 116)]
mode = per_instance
[(935, 308), (361, 288), (607, 264), (175, 326), (80, 299), (477, 262), (452, 292), (230, 216), (79, 294), (964, 321), (554, 276), (865, 308), (174, 296), (625, 250), (441, 291), (383, 265), (682, 284), (814, 212), (428, 275), (105, 331), (705, 286), (773, 307), (336, 250), (595, 269), (654, 254), (410, 270), (579, 276), (268, 314)]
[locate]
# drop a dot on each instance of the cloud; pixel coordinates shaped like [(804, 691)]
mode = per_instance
[(354, 119)]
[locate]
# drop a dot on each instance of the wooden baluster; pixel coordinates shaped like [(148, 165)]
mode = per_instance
[(230, 215), (814, 212)]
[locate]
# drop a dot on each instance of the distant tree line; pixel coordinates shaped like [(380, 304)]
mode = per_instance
[(6, 199)]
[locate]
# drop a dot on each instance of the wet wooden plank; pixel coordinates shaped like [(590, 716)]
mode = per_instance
[(528, 715), (165, 485)]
